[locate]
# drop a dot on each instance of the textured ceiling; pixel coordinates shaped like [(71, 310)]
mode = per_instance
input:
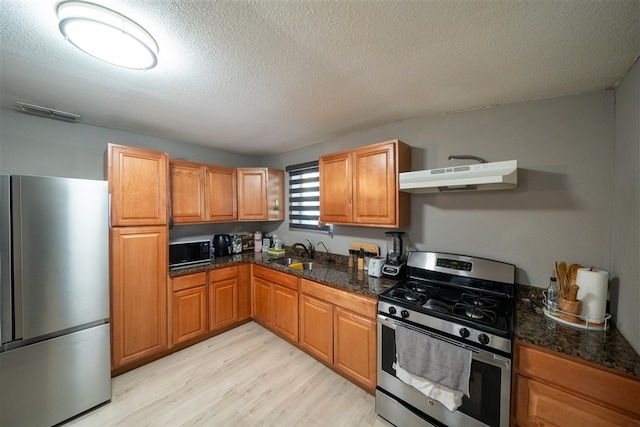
[(266, 77)]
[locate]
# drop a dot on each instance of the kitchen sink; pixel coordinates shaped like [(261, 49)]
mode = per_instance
[(285, 261), (295, 264), (302, 265)]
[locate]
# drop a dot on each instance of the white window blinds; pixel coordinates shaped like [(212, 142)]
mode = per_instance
[(304, 197)]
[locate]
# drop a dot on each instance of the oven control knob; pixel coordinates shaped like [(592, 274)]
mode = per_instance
[(392, 310), (484, 339), (404, 314), (464, 332)]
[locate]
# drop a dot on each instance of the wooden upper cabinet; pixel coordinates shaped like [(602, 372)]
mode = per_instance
[(260, 194), (202, 193), (221, 194), (375, 185), (138, 181), (336, 181), (360, 187), (187, 191)]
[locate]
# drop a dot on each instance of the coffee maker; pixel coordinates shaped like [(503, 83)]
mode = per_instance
[(396, 259)]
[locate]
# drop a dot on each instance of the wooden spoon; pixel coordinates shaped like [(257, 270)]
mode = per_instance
[(573, 273), (563, 285)]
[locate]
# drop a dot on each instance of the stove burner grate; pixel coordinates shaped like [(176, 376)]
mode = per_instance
[(422, 288), (478, 307)]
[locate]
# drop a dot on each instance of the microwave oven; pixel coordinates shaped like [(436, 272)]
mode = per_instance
[(189, 253)]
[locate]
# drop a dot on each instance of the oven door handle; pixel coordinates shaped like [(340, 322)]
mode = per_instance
[(477, 354)]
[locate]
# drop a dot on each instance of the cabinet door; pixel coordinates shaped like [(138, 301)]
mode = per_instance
[(137, 185), (316, 327), (189, 312), (336, 180), (541, 405), (138, 293), (275, 194), (221, 194), (252, 194), (222, 303), (244, 292), (187, 191), (375, 190), (262, 301), (355, 347), (285, 312)]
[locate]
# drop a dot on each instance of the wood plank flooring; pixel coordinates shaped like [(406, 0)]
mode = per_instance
[(244, 377)]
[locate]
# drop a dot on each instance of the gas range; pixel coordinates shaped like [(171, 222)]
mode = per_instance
[(470, 299)]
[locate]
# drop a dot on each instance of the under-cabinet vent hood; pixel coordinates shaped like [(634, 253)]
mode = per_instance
[(483, 176)]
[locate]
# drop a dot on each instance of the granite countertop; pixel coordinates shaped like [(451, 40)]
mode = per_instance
[(608, 349), (335, 273), (605, 348)]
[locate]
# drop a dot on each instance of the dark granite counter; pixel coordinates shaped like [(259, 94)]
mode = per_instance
[(609, 349), (335, 273), (605, 348)]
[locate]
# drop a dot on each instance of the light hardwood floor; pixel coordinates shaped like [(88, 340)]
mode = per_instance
[(244, 377)]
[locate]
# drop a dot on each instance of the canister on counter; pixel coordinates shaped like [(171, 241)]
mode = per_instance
[(258, 241)]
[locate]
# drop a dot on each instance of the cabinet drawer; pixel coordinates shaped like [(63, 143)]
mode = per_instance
[(359, 304), (277, 277), (223, 273), (602, 386), (188, 281), (539, 404)]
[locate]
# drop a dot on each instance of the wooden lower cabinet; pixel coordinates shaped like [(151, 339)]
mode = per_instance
[(138, 293), (354, 346), (262, 302), (244, 292), (285, 312), (316, 327), (188, 307), (555, 390), (339, 328), (223, 290), (275, 301)]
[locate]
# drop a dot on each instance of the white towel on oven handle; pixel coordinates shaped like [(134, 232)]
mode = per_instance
[(451, 399)]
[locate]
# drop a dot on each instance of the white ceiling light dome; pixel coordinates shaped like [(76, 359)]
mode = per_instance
[(107, 35)]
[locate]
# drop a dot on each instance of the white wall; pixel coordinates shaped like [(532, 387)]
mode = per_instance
[(561, 209), (31, 145), (625, 232)]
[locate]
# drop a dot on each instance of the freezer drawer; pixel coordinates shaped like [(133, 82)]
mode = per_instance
[(46, 383)]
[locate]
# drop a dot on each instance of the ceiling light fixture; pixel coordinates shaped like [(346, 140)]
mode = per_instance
[(107, 35)]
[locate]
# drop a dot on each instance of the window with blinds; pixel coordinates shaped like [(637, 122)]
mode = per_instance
[(304, 197)]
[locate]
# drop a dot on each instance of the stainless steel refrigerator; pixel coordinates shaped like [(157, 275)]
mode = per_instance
[(54, 299)]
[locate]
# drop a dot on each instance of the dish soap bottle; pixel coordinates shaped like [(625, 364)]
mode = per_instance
[(552, 296)]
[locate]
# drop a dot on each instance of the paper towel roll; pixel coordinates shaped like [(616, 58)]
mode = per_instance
[(593, 294)]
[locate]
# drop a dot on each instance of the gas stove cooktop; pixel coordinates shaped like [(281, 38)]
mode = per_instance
[(471, 306), (467, 297)]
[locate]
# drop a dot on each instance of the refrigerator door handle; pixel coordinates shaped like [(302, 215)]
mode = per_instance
[(6, 295)]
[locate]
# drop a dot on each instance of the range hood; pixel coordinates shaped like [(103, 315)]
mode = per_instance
[(483, 176)]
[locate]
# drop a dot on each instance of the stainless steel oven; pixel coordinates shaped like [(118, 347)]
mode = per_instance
[(403, 405), (466, 302)]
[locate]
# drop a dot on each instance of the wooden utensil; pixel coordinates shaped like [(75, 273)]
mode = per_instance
[(563, 285), (573, 273), (570, 307)]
